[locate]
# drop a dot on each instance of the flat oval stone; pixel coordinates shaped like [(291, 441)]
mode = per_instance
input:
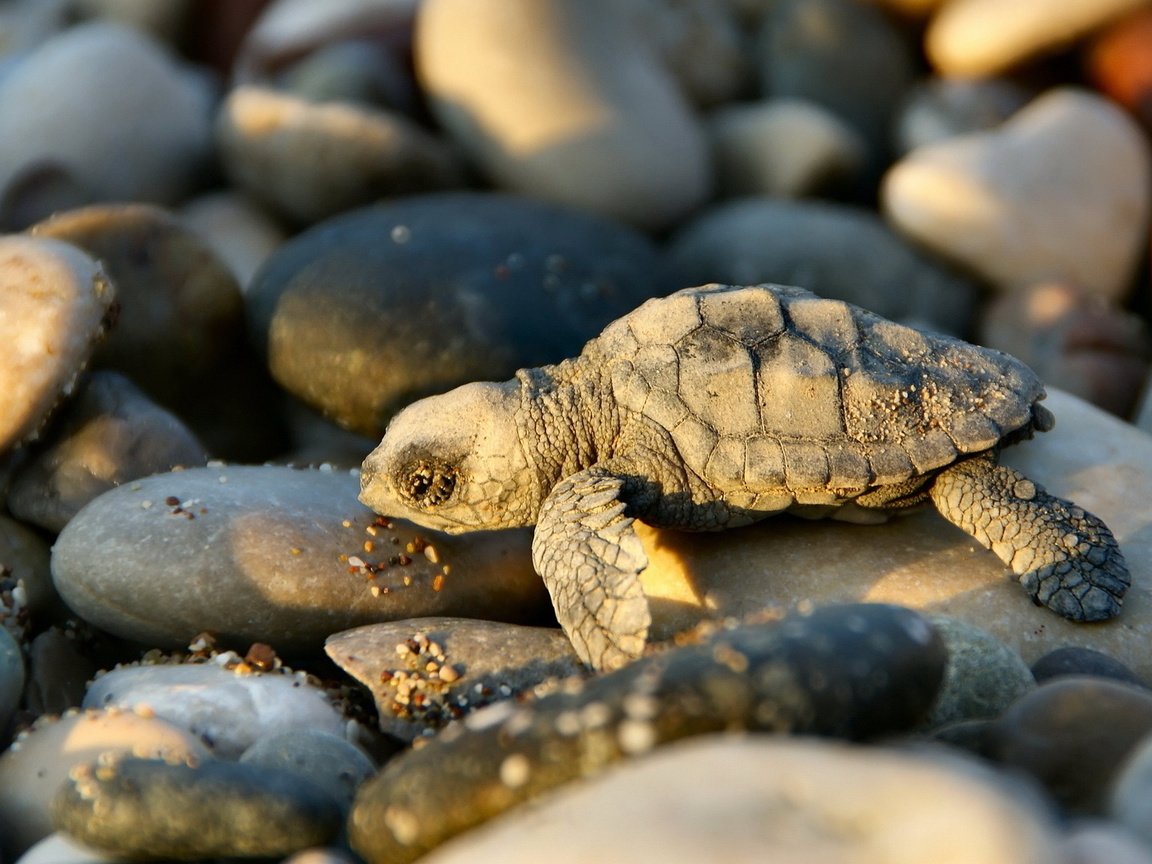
[(110, 434), (370, 310), (1073, 735), (426, 672), (153, 809), (329, 763), (59, 848), (276, 555), (55, 303), (310, 161), (138, 131), (983, 200), (32, 769), (974, 38), (984, 676), (229, 710), (779, 800), (566, 102), (855, 671), (762, 239)]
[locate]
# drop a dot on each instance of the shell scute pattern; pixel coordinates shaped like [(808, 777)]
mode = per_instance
[(810, 395)]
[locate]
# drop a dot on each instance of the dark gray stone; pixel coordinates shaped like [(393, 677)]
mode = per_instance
[(426, 672), (837, 251), (856, 671), (367, 311), (145, 808)]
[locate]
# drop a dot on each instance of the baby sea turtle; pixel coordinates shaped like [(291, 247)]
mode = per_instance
[(717, 406)]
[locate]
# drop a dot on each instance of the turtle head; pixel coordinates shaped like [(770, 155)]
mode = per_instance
[(454, 462)]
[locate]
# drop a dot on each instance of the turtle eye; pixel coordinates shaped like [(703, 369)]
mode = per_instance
[(429, 485)]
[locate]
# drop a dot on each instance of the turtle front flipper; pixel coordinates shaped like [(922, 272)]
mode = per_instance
[(589, 556), (1065, 557)]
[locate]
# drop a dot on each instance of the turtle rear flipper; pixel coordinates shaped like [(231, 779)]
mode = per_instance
[(1065, 557), (590, 557)]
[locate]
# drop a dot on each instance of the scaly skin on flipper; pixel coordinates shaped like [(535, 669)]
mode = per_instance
[(1065, 557), (590, 557)]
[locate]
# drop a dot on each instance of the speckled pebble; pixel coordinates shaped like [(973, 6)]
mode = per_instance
[(110, 434), (1073, 735), (783, 677), (425, 672), (329, 763), (983, 677), (275, 555), (55, 305), (1079, 660), (26, 591), (33, 768), (228, 710), (152, 809)]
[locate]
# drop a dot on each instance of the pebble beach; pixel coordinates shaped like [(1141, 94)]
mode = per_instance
[(238, 236)]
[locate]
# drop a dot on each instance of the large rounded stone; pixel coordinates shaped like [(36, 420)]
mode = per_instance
[(276, 555), (1092, 458), (110, 434), (1059, 192), (372, 309), (566, 101), (54, 306), (841, 252), (767, 799), (972, 38), (140, 130)]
